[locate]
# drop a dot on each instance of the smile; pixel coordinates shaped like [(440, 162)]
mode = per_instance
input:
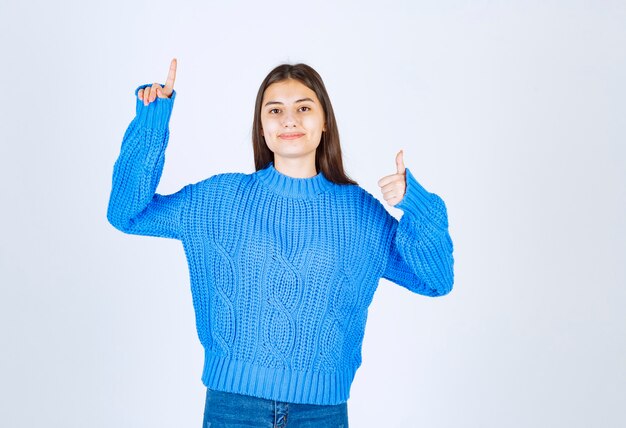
[(292, 136)]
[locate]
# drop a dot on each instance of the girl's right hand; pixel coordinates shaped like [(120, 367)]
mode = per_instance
[(151, 92)]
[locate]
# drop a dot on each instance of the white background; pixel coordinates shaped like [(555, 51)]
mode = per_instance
[(513, 112)]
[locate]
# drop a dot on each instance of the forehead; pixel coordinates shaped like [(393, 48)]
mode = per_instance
[(288, 91)]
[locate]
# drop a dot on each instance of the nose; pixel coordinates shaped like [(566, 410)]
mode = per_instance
[(288, 120)]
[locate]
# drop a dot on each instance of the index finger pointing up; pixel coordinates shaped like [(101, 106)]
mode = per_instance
[(171, 76)]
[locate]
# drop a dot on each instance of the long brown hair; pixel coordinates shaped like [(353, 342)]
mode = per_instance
[(328, 153)]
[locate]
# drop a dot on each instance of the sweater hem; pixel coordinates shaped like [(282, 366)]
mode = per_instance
[(280, 384)]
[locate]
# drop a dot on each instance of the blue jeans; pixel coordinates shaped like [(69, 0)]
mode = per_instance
[(229, 410)]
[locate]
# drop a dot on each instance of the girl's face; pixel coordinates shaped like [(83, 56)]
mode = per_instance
[(292, 119)]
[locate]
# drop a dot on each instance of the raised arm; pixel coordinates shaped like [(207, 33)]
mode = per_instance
[(420, 256), (134, 207)]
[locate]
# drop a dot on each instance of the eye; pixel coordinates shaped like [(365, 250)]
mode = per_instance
[(308, 108), (270, 112)]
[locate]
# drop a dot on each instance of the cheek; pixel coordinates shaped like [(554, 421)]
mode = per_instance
[(269, 126), (320, 126), (314, 123)]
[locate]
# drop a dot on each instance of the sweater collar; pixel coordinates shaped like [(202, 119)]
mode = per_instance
[(286, 185)]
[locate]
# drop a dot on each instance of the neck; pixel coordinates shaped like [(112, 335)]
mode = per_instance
[(295, 187), (296, 168)]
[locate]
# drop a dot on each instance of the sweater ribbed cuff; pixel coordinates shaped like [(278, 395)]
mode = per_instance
[(155, 115), (416, 199)]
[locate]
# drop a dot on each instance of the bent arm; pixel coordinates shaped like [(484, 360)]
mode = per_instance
[(420, 253), (134, 207)]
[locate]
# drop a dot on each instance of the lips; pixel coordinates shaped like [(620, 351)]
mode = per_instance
[(291, 135)]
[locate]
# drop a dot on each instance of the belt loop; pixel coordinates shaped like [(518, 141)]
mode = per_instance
[(281, 411)]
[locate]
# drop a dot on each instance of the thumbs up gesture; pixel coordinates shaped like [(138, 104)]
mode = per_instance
[(149, 94), (393, 186)]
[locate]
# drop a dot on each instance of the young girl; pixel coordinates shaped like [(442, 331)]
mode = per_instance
[(283, 262)]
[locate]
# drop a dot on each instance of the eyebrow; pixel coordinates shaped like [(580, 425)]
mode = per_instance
[(297, 101)]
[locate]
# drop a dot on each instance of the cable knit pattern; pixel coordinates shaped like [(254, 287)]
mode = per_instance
[(282, 270)]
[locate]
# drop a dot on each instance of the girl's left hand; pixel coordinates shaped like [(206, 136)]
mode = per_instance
[(393, 186)]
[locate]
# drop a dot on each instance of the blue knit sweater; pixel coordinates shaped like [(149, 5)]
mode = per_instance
[(282, 270)]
